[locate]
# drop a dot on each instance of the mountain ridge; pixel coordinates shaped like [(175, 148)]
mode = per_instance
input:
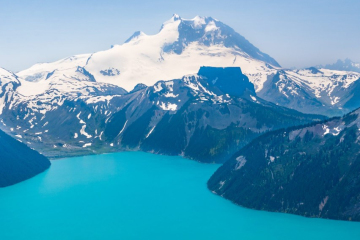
[(340, 65), (309, 170), (105, 118)]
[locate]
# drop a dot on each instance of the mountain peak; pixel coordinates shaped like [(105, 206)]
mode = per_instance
[(178, 33), (180, 48), (7, 76), (176, 17), (136, 34), (208, 31)]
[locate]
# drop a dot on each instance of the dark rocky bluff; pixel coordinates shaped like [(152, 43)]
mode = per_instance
[(229, 80), (18, 162), (311, 170)]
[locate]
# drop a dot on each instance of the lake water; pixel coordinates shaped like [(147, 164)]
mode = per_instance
[(134, 195)]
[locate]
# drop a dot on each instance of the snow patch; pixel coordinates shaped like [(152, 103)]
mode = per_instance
[(241, 160), (326, 129), (198, 21), (123, 128), (168, 106), (211, 27), (323, 203), (171, 95), (221, 183), (83, 132), (157, 87)]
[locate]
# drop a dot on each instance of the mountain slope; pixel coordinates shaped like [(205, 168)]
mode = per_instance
[(18, 162), (9, 82), (204, 119), (312, 90), (180, 48), (216, 109), (310, 170)]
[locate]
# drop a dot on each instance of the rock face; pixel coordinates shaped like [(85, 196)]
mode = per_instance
[(229, 80), (310, 170), (18, 162), (205, 116)]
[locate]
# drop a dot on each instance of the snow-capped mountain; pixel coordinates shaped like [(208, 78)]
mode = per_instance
[(183, 45), (35, 99), (180, 48), (217, 108), (313, 90)]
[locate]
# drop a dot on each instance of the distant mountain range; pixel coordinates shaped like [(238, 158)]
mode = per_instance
[(346, 65), (311, 170)]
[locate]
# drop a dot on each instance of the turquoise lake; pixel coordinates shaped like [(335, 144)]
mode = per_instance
[(135, 195)]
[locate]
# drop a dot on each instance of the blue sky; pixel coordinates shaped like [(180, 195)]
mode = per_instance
[(295, 33)]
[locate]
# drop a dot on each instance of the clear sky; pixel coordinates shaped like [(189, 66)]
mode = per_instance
[(295, 33)]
